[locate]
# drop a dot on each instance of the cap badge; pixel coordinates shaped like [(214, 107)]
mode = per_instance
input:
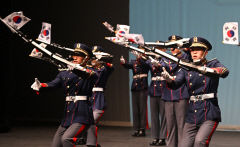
[(195, 39), (173, 37)]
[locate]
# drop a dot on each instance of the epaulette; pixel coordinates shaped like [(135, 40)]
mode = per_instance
[(186, 60), (211, 60), (62, 69)]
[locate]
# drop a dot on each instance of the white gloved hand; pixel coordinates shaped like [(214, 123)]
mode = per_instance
[(122, 60), (167, 76), (98, 57), (154, 61), (36, 85), (70, 67), (204, 70)]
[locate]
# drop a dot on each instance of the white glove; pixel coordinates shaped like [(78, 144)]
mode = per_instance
[(98, 57), (167, 76), (122, 60), (204, 69), (70, 67), (154, 61), (36, 85)]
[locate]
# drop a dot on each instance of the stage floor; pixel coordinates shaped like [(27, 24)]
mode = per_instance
[(41, 136)]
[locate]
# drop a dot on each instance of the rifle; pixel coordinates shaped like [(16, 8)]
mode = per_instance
[(52, 55), (180, 62)]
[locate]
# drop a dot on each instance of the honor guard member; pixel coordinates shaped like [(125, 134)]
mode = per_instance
[(176, 101), (139, 93), (203, 114), (78, 115), (103, 69), (158, 120)]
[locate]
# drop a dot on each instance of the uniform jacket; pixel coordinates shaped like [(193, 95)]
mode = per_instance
[(198, 84), (156, 86), (75, 83), (138, 67), (177, 94), (98, 100)]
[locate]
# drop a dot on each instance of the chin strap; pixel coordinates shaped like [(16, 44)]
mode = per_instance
[(84, 61), (202, 60)]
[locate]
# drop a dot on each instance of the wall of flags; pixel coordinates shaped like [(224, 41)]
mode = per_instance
[(158, 19)]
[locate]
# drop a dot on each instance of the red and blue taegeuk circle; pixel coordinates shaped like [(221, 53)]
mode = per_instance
[(45, 32), (17, 19), (121, 32), (230, 33)]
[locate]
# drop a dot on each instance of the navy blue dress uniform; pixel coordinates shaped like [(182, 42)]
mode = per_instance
[(158, 120), (78, 114), (203, 114), (176, 101), (75, 85), (139, 94), (103, 70)]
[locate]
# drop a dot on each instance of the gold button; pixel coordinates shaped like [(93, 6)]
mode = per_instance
[(195, 111), (154, 85), (190, 83), (190, 75), (200, 74), (68, 103), (161, 85), (193, 92), (203, 81), (68, 111), (68, 86)]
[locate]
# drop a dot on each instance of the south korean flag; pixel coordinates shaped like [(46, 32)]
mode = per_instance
[(121, 30), (45, 34), (230, 33), (16, 20), (135, 38)]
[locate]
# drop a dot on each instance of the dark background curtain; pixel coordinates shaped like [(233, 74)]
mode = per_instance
[(72, 21)]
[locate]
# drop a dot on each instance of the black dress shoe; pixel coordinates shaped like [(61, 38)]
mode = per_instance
[(154, 142), (135, 134), (161, 142), (141, 133)]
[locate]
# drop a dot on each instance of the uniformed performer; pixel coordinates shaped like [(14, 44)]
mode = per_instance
[(158, 120), (139, 93), (203, 115), (103, 68), (176, 101), (78, 114)]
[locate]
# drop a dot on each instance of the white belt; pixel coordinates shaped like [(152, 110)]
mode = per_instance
[(97, 89), (158, 78), (76, 98), (140, 76), (202, 97)]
